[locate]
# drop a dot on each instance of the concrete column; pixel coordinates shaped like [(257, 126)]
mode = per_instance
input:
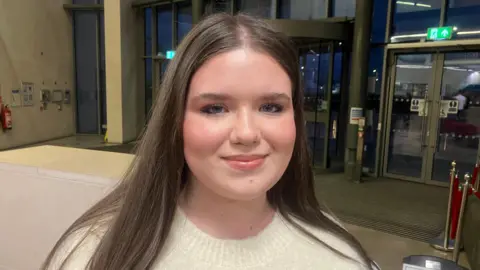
[(197, 10), (358, 80), (123, 51)]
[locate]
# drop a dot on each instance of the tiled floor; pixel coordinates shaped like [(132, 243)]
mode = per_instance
[(389, 250)]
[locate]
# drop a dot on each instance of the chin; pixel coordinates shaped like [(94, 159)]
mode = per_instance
[(247, 191)]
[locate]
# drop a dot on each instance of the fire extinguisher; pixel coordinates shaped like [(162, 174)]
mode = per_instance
[(5, 116)]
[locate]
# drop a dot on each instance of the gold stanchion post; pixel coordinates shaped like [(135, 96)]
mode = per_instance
[(446, 244), (458, 235)]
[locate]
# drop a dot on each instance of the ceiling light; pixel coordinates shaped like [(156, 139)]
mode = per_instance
[(423, 5), (405, 3)]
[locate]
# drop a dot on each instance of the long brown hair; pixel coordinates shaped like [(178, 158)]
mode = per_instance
[(140, 211)]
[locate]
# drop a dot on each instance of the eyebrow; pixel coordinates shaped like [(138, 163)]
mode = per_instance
[(223, 97)]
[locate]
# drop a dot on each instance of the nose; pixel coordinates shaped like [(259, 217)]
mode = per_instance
[(245, 130)]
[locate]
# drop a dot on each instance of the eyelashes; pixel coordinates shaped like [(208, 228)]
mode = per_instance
[(214, 109)]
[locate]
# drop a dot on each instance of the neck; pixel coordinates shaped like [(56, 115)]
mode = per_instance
[(225, 218)]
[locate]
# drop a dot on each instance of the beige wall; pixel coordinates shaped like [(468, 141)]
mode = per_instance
[(36, 45), (124, 66)]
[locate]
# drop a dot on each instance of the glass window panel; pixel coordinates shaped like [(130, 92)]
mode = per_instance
[(373, 106), (457, 136), (148, 85), (184, 20), (260, 8), (344, 8), (164, 29), (379, 23), (215, 6), (302, 9), (415, 17), (407, 129), (148, 31), (464, 15), (86, 67)]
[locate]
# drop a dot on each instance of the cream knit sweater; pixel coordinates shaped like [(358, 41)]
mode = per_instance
[(279, 246)]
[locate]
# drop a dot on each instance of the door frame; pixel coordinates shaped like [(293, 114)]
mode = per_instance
[(438, 50)]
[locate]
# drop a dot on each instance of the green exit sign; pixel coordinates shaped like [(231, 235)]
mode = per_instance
[(440, 33)]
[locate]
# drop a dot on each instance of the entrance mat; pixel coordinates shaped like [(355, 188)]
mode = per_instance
[(407, 209)]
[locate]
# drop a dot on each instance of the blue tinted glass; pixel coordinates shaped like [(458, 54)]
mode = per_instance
[(260, 8), (415, 17), (344, 8), (164, 29), (148, 31), (464, 14), (302, 10), (148, 85), (184, 21), (379, 21), (375, 65), (337, 72)]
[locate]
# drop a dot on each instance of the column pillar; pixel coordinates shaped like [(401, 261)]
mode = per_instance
[(197, 10), (358, 80), (123, 50)]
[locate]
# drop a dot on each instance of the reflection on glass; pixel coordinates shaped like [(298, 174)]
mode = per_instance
[(260, 8), (373, 106), (184, 20), (457, 136), (314, 66), (164, 29), (344, 8), (302, 9), (148, 31), (414, 17), (335, 153), (407, 128), (464, 16)]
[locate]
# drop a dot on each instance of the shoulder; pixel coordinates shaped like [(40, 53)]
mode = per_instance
[(76, 250), (328, 239)]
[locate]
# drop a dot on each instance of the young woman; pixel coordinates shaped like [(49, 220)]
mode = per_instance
[(222, 178)]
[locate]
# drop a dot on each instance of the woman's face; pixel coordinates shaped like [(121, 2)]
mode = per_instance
[(239, 128)]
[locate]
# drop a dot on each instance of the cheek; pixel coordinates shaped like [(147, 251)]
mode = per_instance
[(281, 134), (200, 136)]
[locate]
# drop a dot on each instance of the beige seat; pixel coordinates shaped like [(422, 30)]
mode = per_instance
[(42, 191)]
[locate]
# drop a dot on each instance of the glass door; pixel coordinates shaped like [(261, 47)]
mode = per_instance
[(432, 116), (411, 79), (316, 63), (456, 122)]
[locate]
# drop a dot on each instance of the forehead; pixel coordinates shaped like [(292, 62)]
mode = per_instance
[(243, 73)]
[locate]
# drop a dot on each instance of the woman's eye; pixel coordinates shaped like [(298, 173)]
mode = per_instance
[(214, 109), (271, 108)]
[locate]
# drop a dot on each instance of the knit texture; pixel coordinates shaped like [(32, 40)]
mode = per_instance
[(279, 246)]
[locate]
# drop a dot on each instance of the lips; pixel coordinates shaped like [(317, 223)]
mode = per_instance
[(245, 162)]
